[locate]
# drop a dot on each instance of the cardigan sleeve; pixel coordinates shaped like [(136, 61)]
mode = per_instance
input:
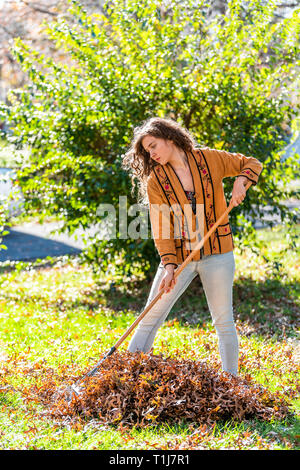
[(162, 224), (237, 164)]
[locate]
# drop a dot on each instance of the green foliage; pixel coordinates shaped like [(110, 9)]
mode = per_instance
[(227, 80)]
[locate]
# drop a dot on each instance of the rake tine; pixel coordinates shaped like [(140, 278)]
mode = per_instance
[(75, 390)]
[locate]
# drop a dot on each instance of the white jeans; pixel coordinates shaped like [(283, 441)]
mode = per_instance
[(217, 274)]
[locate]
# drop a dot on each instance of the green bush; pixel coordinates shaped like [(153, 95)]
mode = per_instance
[(227, 80)]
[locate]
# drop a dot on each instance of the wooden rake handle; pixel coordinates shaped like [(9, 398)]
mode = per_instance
[(177, 272)]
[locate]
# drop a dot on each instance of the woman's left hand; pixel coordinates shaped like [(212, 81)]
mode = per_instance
[(238, 191)]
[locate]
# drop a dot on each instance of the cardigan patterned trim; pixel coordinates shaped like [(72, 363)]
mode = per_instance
[(211, 217), (208, 168)]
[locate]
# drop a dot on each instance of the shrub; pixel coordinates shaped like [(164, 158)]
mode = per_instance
[(226, 79)]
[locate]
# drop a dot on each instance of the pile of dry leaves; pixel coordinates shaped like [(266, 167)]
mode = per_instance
[(142, 389)]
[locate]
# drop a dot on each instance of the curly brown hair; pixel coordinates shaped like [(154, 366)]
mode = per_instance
[(137, 160)]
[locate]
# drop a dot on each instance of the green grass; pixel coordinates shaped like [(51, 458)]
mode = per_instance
[(61, 318)]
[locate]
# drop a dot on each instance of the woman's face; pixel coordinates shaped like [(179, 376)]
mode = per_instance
[(160, 150)]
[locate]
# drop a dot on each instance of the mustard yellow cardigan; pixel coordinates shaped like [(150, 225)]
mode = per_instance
[(175, 228)]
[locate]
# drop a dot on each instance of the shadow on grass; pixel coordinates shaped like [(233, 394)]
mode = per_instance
[(267, 308)]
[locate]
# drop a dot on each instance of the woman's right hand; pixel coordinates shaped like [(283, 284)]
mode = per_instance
[(168, 281)]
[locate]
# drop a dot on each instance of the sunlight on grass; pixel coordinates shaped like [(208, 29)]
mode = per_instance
[(61, 318)]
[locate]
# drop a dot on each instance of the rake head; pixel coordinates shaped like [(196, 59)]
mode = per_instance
[(75, 390)]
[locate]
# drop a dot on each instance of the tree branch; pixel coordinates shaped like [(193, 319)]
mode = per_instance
[(38, 8)]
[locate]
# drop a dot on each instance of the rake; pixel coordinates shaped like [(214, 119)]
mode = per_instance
[(75, 389)]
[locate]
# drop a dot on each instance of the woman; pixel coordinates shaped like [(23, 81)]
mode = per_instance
[(173, 174)]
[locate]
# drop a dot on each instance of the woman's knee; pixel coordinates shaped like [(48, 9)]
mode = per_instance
[(225, 326)]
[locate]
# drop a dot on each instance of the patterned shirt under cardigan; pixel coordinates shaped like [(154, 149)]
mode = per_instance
[(208, 168)]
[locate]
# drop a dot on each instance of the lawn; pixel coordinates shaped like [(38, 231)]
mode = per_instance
[(60, 318)]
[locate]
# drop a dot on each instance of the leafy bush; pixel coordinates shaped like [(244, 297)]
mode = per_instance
[(226, 79)]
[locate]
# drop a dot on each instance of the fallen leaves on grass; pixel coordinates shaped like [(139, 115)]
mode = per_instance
[(145, 389)]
